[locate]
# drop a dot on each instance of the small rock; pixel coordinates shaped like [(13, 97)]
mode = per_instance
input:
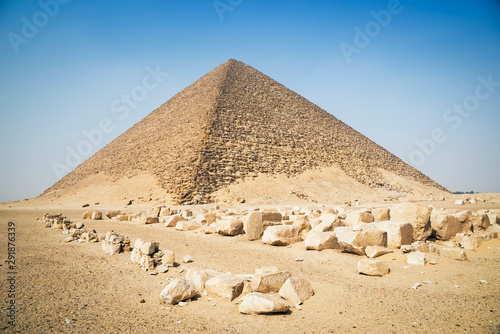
[(416, 286), (142, 301), (299, 259), (482, 281), (429, 282), (417, 258), (187, 259), (162, 269), (433, 262), (154, 273)]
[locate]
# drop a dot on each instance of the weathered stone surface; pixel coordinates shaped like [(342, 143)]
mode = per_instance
[(150, 220), (471, 242), (356, 239), (446, 226), (269, 279), (381, 214), (96, 215), (398, 233), (374, 251), (256, 223), (168, 258), (187, 225), (178, 290), (465, 219), (454, 253), (87, 214), (187, 259), (459, 202), (328, 223), (146, 262), (321, 240), (146, 248), (112, 214), (480, 222), (259, 303), (230, 227), (211, 229), (281, 235), (493, 218), (416, 214), (123, 218), (110, 248), (417, 258), (173, 220), (225, 286), (200, 276), (373, 267), (358, 217), (296, 290)]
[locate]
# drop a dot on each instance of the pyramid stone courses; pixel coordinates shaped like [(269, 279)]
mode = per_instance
[(232, 123)]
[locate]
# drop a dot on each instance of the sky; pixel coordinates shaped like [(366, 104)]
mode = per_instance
[(421, 78)]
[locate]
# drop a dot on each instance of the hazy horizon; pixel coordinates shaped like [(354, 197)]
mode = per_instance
[(421, 79)]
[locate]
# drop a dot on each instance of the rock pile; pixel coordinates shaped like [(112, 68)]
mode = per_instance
[(115, 243), (71, 231)]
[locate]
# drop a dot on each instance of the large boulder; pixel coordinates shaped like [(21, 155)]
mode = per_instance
[(373, 267), (480, 222), (150, 220), (381, 214), (225, 286), (178, 290), (358, 217), (321, 240), (296, 290), (256, 223), (281, 235), (200, 276), (445, 225), (398, 233), (356, 239), (259, 303), (416, 214), (187, 225), (230, 227), (328, 223), (172, 221), (269, 279)]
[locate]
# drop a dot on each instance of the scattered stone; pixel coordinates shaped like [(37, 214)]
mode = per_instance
[(173, 220), (142, 301), (179, 289), (381, 214), (416, 214), (162, 269), (459, 202), (150, 220), (375, 251), (168, 258), (417, 258), (398, 233), (372, 267), (230, 227), (446, 226), (429, 282), (258, 303), (482, 281), (299, 259), (281, 235), (269, 279), (96, 215), (87, 215), (433, 262), (200, 276), (225, 286), (112, 214), (454, 253), (296, 290), (359, 217), (187, 225), (85, 205), (355, 240), (187, 259), (321, 240), (471, 242)]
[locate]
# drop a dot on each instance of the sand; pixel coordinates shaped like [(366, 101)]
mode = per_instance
[(77, 288)]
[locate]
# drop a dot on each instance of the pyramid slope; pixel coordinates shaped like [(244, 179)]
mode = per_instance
[(234, 123)]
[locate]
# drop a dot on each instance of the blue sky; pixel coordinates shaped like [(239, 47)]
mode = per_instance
[(65, 66)]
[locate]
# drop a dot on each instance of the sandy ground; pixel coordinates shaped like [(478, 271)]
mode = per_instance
[(77, 288)]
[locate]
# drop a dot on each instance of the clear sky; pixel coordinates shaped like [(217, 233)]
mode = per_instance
[(421, 78)]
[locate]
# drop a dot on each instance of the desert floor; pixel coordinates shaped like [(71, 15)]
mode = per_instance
[(77, 288)]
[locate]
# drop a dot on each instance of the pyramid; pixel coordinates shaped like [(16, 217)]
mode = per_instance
[(232, 124)]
